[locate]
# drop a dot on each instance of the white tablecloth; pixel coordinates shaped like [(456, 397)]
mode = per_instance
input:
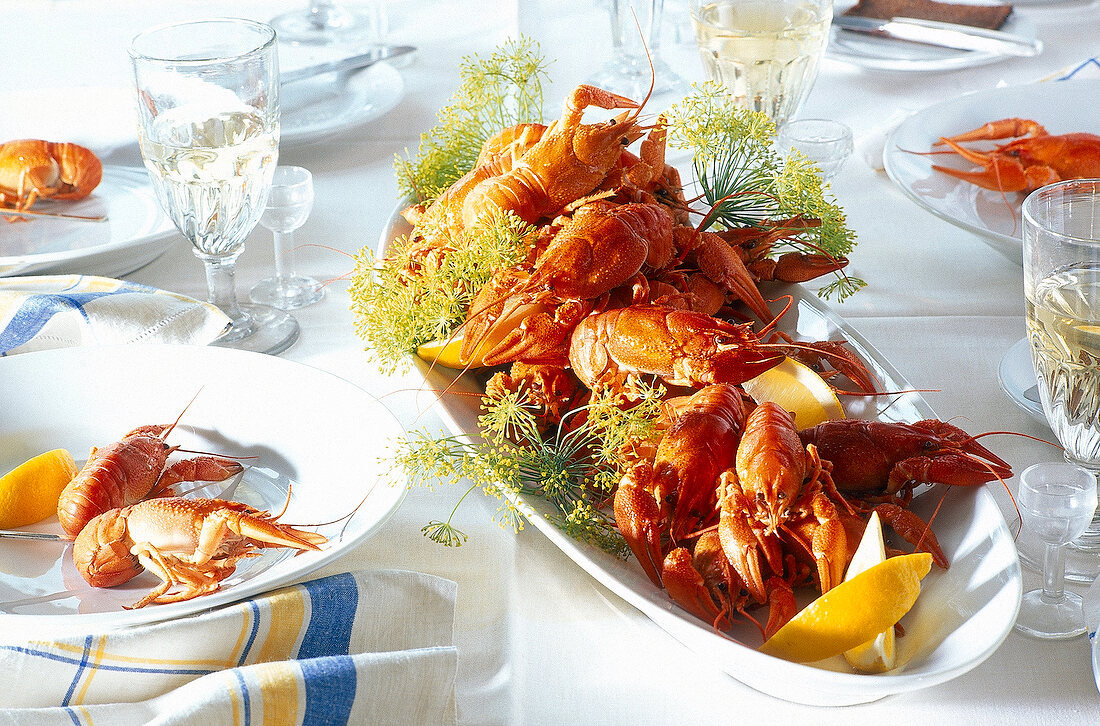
[(540, 642)]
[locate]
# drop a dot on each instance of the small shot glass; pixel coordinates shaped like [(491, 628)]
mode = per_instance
[(827, 143)]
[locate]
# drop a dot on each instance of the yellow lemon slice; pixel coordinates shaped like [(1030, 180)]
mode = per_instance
[(29, 492), (879, 654), (444, 352), (853, 612), (798, 389)]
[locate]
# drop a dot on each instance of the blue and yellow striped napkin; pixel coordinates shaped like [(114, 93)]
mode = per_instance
[(57, 311), (361, 647)]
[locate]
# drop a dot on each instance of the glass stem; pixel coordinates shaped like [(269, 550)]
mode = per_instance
[(1054, 566), (221, 283), (284, 254)]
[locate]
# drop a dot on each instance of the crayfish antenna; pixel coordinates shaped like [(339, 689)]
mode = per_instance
[(164, 434)]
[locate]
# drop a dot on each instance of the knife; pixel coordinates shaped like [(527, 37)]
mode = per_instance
[(948, 35), (345, 64), (19, 534)]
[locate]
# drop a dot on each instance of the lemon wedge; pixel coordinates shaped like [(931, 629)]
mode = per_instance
[(29, 492), (797, 388), (879, 654), (446, 352), (853, 612)]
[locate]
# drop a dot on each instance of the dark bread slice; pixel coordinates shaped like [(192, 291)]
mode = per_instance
[(979, 16)]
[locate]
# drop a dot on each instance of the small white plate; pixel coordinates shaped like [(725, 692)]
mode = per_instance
[(310, 432), (319, 107), (1017, 377), (875, 53), (136, 231), (994, 217)]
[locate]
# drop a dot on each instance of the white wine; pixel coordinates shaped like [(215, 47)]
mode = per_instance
[(1063, 326), (212, 175), (765, 52)]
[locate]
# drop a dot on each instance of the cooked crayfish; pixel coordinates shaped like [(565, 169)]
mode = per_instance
[(32, 169), (130, 470), (568, 161), (192, 544), (1036, 159)]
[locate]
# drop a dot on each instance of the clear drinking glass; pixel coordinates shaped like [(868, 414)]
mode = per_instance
[(1062, 295), (288, 208), (765, 52), (825, 142), (1056, 501), (635, 40), (208, 106), (323, 23)]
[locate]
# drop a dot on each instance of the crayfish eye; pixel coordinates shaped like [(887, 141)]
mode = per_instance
[(928, 445)]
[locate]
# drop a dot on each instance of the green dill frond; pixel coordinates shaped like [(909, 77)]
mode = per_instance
[(572, 469), (496, 92), (746, 183), (396, 311), (444, 533)]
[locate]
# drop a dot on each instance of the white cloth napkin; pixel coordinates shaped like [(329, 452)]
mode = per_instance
[(57, 311), (365, 647)]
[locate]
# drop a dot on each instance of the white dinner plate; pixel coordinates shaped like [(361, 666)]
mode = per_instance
[(136, 231), (994, 217), (962, 615), (316, 108), (868, 51), (308, 431), (1017, 376)]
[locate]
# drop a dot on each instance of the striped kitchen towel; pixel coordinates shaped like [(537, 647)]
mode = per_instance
[(57, 311), (365, 647)]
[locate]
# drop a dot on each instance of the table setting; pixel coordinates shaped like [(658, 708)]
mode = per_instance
[(222, 291)]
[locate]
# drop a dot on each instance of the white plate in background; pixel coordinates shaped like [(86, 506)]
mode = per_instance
[(316, 108), (989, 214), (135, 233), (868, 51), (248, 404)]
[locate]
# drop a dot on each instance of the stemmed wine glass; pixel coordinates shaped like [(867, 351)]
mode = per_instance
[(635, 40), (208, 102), (323, 22), (1056, 500), (288, 207), (1061, 259)]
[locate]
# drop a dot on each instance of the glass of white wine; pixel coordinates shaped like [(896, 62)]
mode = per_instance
[(208, 106), (1062, 291), (765, 52)]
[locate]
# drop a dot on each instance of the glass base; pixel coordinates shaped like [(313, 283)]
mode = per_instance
[(1082, 556), (1040, 618), (333, 25), (261, 329), (287, 293), (631, 78)]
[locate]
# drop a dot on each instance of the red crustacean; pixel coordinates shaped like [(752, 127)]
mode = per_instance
[(597, 250), (877, 465), (568, 161), (675, 493), (32, 169), (192, 544), (780, 491), (683, 347), (130, 470), (1035, 159)]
